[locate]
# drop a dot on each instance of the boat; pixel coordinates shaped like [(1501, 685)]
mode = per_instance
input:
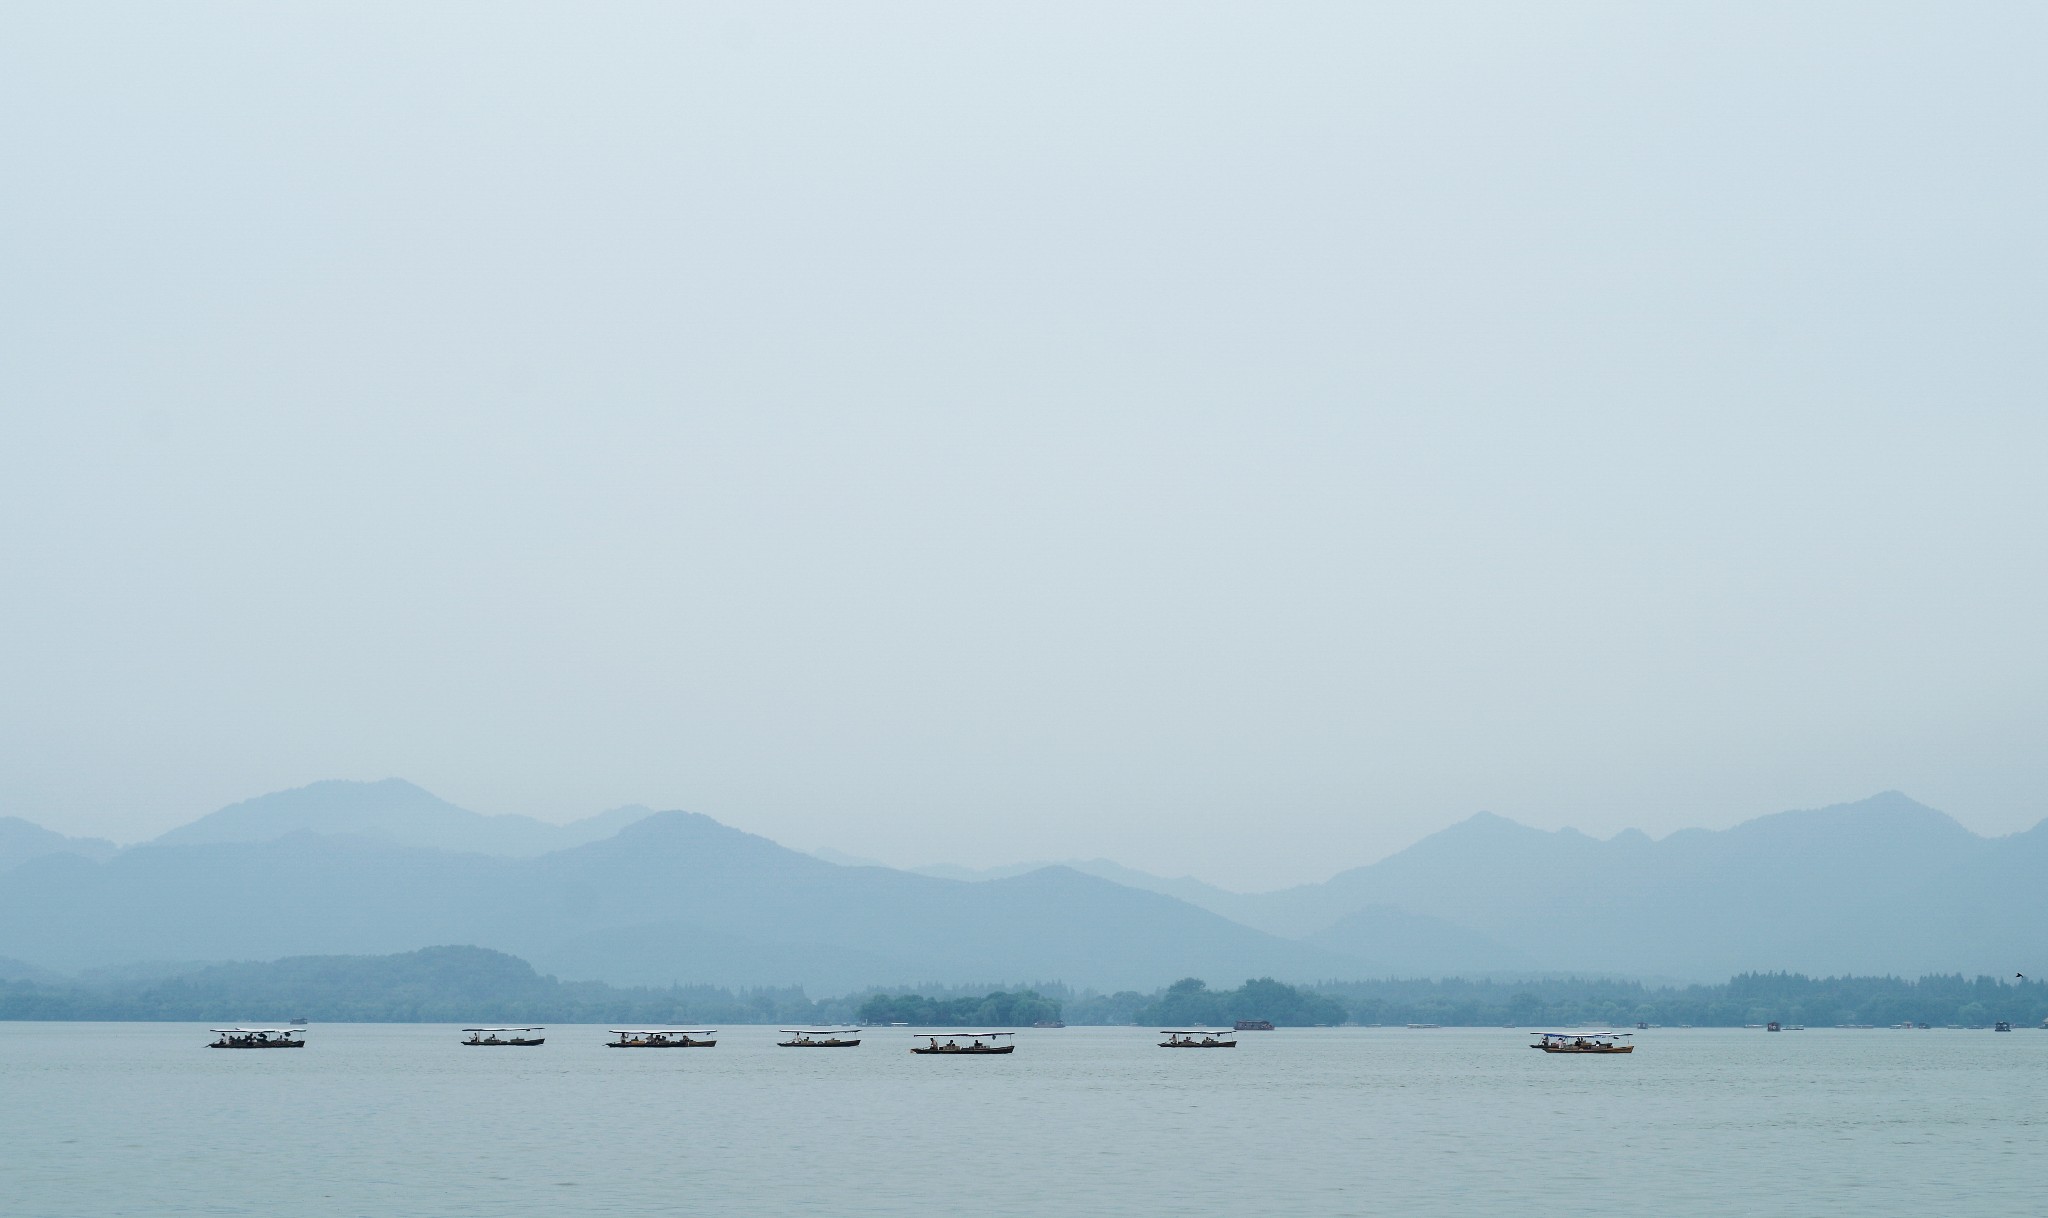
[(1187, 1040), (1583, 1042), (1771, 1026), (256, 1038), (1050, 1023), (508, 1037), (2001, 1026), (298, 1023), (1642, 1026), (819, 1038), (1253, 1025), (662, 1038), (1425, 1025), (981, 1042)]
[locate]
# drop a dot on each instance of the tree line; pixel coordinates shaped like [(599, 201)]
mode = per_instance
[(453, 984)]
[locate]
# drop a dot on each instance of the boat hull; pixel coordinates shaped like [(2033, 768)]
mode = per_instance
[(969, 1051), (1221, 1044), (268, 1044), (667, 1044), (1566, 1049), (818, 1044), (504, 1044)]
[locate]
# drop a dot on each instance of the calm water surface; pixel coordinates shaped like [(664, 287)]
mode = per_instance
[(114, 1119)]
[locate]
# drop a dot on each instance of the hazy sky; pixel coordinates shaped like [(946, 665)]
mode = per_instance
[(1236, 440)]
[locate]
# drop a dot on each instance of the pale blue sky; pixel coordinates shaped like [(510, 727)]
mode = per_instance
[(1233, 439)]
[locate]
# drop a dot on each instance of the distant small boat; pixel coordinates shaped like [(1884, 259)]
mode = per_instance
[(1253, 1025), (2001, 1026), (298, 1023), (820, 1038), (505, 1037), (662, 1038), (1050, 1023), (1642, 1026), (1772, 1026), (256, 1038), (1582, 1042), (982, 1042), (1197, 1039), (1425, 1025)]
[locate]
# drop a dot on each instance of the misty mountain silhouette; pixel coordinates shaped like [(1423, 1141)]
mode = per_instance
[(674, 896), (1884, 885), (21, 841), (395, 811)]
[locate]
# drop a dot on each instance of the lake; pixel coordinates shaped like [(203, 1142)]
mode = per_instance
[(388, 1119)]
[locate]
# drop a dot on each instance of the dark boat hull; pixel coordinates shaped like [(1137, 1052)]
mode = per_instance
[(1221, 1044), (818, 1044), (1608, 1049), (965, 1052), (673, 1044), (268, 1044), (505, 1044)]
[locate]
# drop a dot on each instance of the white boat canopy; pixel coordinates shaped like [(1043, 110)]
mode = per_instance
[(951, 1034), (1196, 1031), (1585, 1035), (660, 1031), (256, 1031), (818, 1031), (504, 1029)]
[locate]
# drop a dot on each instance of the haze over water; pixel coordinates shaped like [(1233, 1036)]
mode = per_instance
[(140, 1119), (982, 433)]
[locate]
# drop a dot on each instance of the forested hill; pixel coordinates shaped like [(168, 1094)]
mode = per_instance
[(433, 985), (465, 984)]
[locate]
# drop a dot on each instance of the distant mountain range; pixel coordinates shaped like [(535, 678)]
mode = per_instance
[(633, 897), (21, 841), (398, 812)]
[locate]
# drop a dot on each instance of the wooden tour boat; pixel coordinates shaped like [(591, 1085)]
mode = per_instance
[(256, 1038), (820, 1038), (1582, 1042), (505, 1036), (981, 1042), (1200, 1038), (662, 1038)]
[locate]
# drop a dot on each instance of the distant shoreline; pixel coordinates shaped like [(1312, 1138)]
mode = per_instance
[(456, 984)]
